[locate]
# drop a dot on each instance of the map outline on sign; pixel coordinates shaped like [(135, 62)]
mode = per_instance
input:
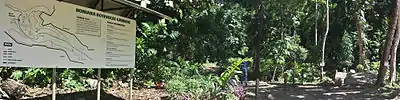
[(20, 31)]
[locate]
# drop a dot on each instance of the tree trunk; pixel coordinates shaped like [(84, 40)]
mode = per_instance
[(393, 53), (273, 75), (316, 22), (388, 44), (316, 31), (293, 75), (360, 36), (256, 61), (182, 47), (259, 37), (324, 39)]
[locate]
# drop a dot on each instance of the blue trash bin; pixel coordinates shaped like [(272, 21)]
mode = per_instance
[(243, 67)]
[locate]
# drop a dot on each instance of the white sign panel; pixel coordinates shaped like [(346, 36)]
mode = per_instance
[(53, 34)]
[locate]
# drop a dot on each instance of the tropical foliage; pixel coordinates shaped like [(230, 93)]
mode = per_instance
[(278, 35)]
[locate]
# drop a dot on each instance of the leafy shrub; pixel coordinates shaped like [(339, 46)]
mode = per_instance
[(375, 65), (18, 75), (180, 68), (71, 79), (6, 72), (176, 86), (345, 53), (149, 84), (33, 76), (195, 87), (303, 72)]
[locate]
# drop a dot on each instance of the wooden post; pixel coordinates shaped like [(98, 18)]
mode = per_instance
[(257, 88), (98, 83), (54, 79), (131, 84)]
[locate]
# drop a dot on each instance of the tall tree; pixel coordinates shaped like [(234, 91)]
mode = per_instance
[(393, 53), (316, 23), (257, 34), (324, 39), (388, 45), (360, 32)]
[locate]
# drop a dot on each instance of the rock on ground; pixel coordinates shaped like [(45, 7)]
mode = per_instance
[(362, 78), (92, 82), (3, 95), (13, 88), (339, 78)]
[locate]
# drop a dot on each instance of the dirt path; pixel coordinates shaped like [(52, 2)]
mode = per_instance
[(111, 94), (318, 92)]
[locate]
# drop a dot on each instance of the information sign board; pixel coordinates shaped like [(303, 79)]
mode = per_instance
[(54, 34)]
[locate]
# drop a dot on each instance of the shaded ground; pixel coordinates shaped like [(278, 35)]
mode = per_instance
[(85, 95), (140, 94), (120, 94), (318, 92), (118, 91), (91, 94), (110, 94)]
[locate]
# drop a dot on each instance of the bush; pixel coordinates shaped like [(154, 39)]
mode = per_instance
[(189, 85), (375, 65), (6, 72), (195, 87), (33, 76), (180, 68), (71, 79)]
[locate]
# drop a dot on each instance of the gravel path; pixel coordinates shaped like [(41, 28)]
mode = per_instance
[(318, 92)]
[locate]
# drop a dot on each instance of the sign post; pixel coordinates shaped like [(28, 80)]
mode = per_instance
[(131, 84), (54, 87), (98, 84)]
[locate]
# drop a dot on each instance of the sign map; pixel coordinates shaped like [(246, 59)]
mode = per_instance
[(53, 34)]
